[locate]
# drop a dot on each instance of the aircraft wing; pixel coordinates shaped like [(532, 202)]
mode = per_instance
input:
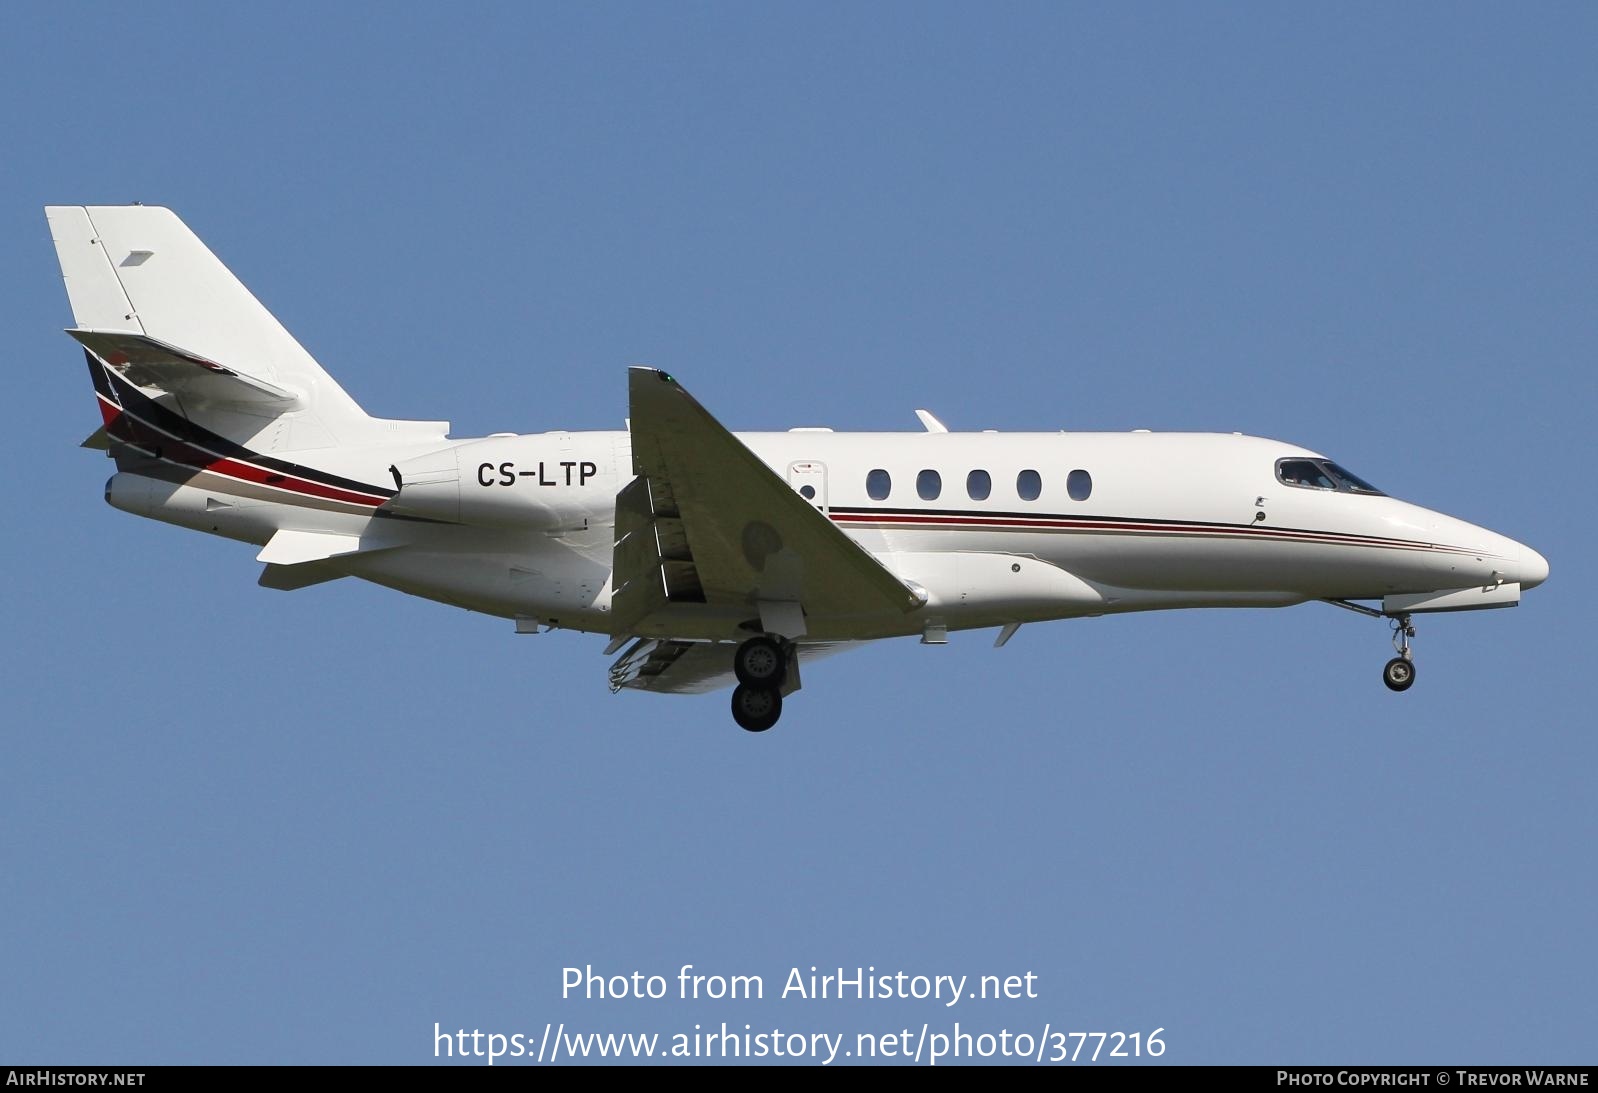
[(694, 667), (706, 521), (149, 362)]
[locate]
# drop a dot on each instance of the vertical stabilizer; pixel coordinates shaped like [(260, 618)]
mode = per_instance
[(139, 269), (98, 302)]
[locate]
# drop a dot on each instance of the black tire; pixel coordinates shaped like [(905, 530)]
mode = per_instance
[(756, 709), (760, 662), (1399, 674)]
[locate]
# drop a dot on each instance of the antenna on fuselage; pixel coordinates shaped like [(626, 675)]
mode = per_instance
[(932, 424)]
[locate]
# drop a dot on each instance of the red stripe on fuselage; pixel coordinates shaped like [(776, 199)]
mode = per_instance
[(184, 453), (978, 521), (247, 472)]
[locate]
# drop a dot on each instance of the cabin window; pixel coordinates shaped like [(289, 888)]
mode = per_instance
[(1079, 484), (878, 485), (929, 484), (1028, 484), (978, 484)]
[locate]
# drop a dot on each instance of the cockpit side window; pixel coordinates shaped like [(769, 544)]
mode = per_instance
[(1304, 472), (1321, 474)]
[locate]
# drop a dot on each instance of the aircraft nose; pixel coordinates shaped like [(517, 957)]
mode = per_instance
[(1533, 568), (1499, 555)]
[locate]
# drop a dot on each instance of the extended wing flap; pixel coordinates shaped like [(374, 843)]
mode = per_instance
[(745, 535), (149, 362), (639, 588), (673, 667), (689, 667)]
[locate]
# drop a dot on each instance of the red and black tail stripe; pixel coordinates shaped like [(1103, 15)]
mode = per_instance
[(98, 377), (154, 431), (1047, 522)]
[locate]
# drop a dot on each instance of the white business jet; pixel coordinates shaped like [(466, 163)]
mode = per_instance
[(711, 558)]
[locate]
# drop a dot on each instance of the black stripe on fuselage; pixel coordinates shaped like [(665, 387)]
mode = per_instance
[(147, 411), (1049, 521)]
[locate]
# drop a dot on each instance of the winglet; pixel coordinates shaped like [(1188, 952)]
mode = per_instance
[(932, 424)]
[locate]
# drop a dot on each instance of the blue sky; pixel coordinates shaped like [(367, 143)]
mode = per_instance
[(248, 826)]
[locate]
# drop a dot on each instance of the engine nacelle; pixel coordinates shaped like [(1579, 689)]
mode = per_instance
[(506, 482)]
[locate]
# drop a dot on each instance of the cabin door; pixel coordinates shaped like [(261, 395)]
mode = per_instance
[(809, 480)]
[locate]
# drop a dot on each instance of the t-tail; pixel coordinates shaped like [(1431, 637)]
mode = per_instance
[(194, 377)]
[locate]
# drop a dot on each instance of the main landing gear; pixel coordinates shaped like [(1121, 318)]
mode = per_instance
[(1398, 673), (756, 709), (761, 665)]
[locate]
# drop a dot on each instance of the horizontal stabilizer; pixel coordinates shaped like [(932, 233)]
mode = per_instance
[(98, 441), (149, 362)]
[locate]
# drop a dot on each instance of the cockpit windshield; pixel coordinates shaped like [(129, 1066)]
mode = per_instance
[(1353, 483), (1322, 474)]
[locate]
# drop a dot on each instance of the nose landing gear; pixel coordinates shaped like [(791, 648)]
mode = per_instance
[(1399, 673)]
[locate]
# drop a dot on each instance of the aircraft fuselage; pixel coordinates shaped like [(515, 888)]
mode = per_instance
[(1015, 527)]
